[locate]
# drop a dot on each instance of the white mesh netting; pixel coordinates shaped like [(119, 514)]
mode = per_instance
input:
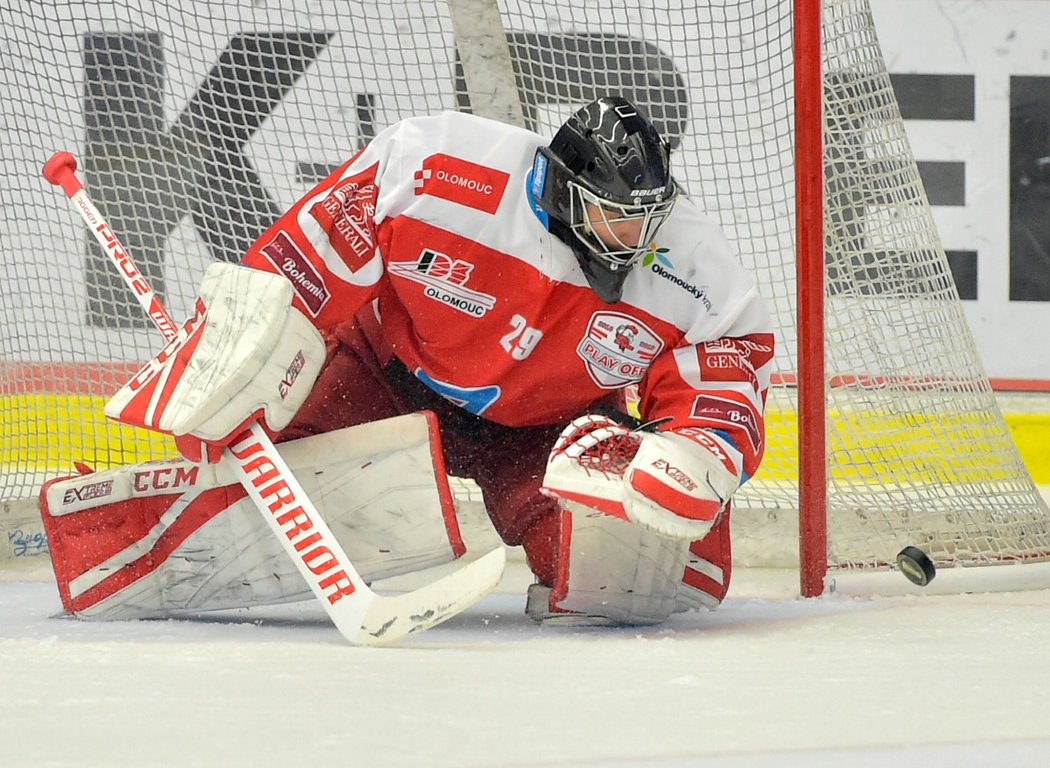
[(196, 123)]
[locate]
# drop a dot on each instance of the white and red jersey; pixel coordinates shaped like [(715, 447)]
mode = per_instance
[(432, 224)]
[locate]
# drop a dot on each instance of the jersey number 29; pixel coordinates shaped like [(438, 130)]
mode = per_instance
[(522, 339)]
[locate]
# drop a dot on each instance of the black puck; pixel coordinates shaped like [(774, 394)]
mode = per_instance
[(916, 565)]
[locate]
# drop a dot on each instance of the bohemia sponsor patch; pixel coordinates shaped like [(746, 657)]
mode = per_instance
[(721, 411), (284, 254), (444, 279), (618, 349), (346, 214), (463, 182)]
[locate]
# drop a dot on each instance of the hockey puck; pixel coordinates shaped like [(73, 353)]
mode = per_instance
[(916, 565)]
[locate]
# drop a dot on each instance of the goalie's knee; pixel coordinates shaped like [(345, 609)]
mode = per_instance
[(594, 568)]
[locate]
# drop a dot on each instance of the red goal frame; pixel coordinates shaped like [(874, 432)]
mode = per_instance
[(809, 219)]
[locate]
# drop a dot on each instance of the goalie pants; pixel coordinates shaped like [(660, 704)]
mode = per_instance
[(363, 381)]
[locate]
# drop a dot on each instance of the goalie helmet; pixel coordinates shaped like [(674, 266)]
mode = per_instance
[(604, 185)]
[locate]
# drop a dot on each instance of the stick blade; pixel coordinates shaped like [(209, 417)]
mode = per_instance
[(389, 619)]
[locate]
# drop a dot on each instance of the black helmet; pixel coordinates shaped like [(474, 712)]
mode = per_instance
[(607, 167)]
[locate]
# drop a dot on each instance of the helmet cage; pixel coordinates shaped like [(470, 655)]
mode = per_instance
[(610, 216)]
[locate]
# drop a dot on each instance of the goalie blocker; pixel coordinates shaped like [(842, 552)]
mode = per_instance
[(246, 355), (169, 538)]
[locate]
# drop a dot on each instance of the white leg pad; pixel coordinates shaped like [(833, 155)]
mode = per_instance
[(232, 561), (616, 573), (168, 538)]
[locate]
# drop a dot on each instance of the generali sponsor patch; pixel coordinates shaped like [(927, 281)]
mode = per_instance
[(284, 254), (757, 346), (461, 181), (618, 349), (346, 214)]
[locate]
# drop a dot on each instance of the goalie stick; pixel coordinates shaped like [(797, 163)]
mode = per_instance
[(361, 616)]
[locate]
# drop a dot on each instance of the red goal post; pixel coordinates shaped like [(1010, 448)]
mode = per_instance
[(809, 267), (900, 439), (196, 123)]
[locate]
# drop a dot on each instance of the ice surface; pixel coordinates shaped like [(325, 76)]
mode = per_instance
[(763, 681)]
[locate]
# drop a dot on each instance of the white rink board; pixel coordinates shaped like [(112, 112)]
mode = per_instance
[(990, 40)]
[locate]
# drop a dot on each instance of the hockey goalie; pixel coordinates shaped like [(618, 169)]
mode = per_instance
[(462, 299)]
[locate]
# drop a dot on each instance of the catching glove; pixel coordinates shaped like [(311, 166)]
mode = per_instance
[(673, 483)]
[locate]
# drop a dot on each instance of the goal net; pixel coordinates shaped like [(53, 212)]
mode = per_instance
[(196, 123)]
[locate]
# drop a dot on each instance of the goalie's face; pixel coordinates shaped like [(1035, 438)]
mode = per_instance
[(616, 229), (618, 235), (615, 238)]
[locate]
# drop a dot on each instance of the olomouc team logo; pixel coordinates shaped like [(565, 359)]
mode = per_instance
[(618, 349), (461, 181), (444, 279)]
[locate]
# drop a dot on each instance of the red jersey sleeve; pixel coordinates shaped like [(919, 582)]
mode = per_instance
[(325, 244), (719, 385)]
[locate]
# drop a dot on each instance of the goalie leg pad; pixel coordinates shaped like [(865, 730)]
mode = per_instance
[(708, 568), (610, 571), (196, 550), (167, 538)]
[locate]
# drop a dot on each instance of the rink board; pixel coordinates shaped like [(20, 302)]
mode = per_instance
[(54, 430)]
